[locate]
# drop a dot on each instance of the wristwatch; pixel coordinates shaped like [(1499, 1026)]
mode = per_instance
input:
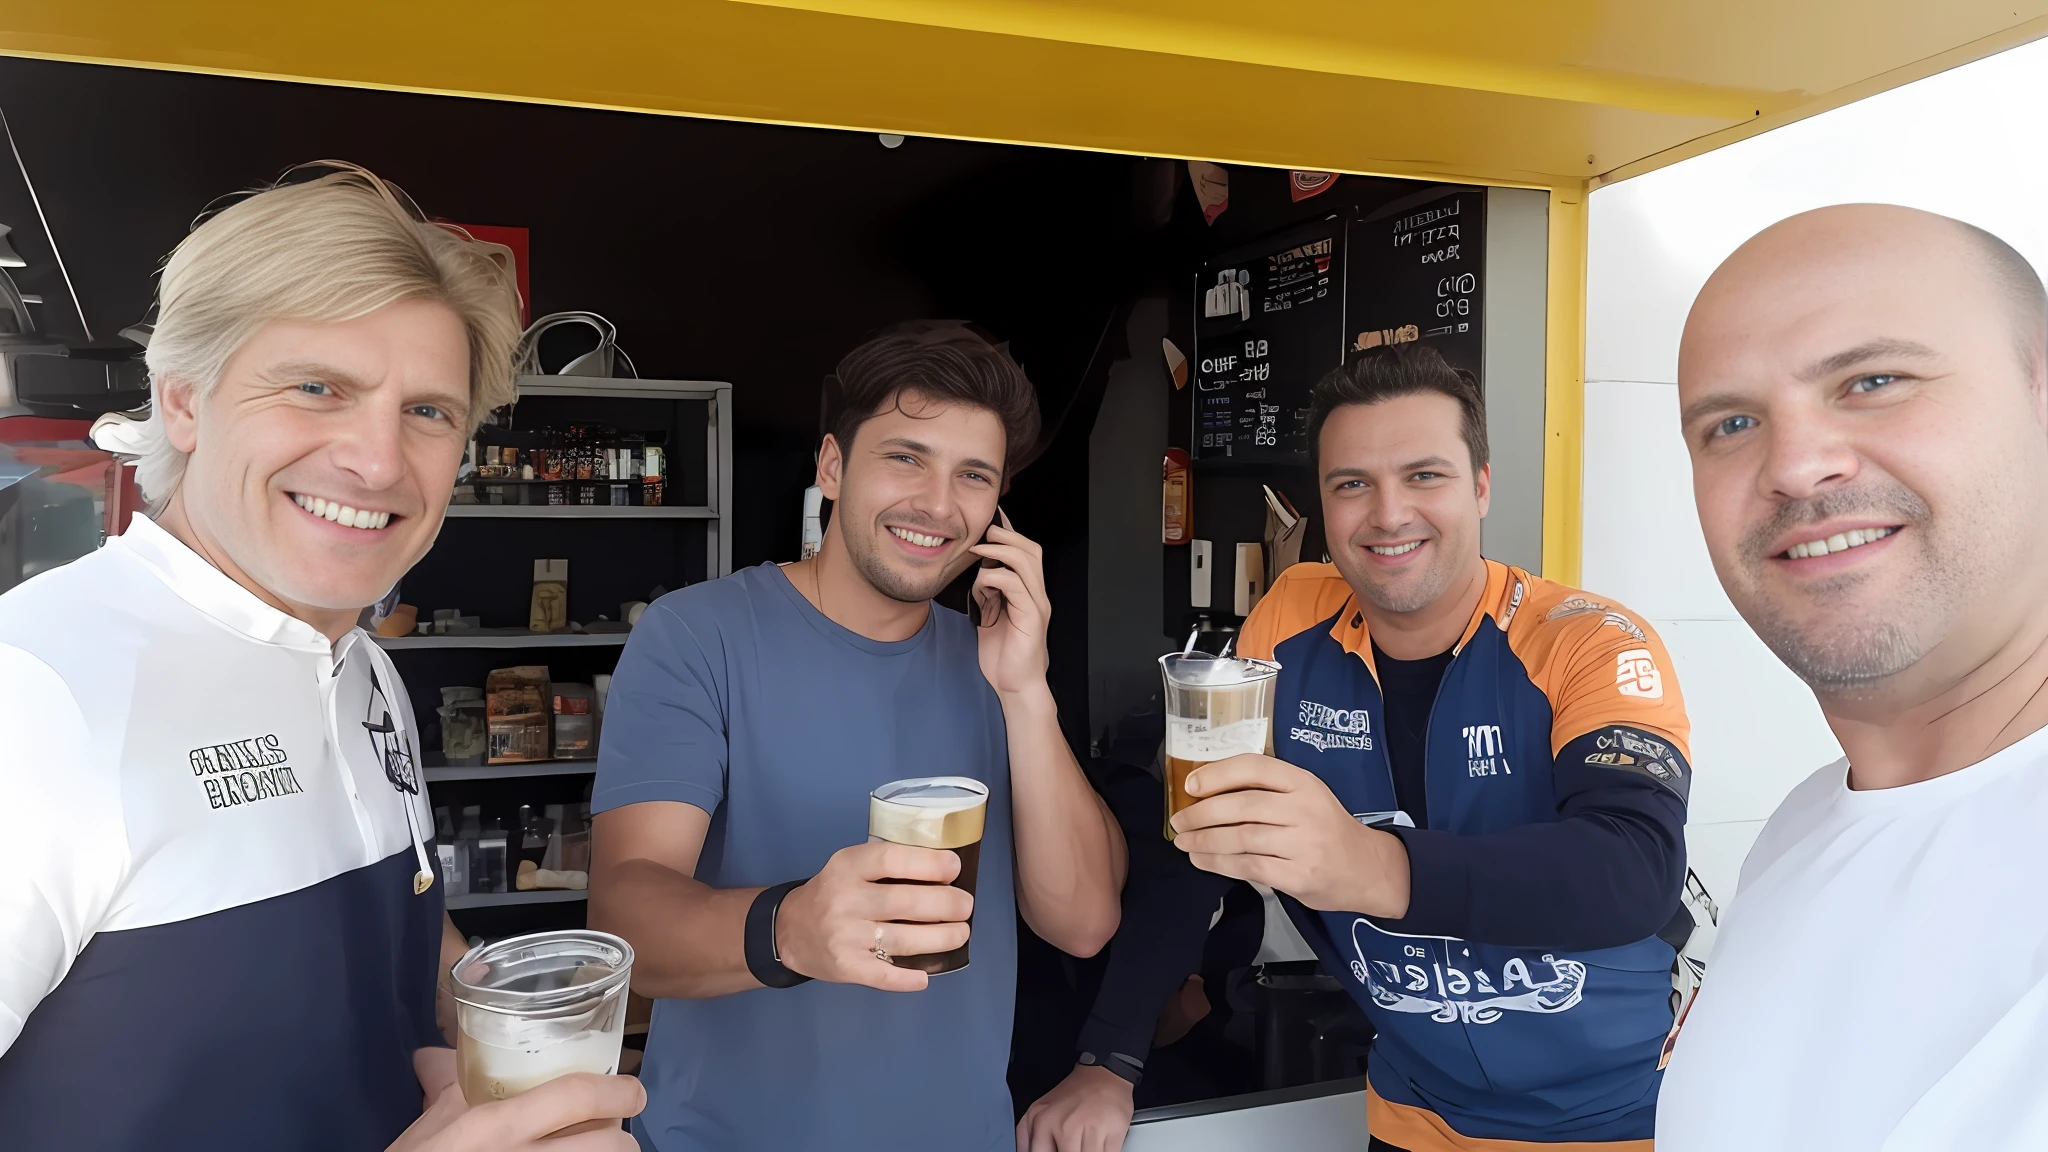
[(1116, 1063)]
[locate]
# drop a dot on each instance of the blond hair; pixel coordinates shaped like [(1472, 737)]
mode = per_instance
[(321, 251)]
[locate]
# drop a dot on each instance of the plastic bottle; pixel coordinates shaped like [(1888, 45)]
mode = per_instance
[(454, 861)]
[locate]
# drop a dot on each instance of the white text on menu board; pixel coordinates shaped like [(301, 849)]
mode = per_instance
[(1435, 231), (1254, 367)]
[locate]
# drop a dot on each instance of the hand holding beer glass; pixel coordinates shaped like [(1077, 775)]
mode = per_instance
[(1216, 707), (535, 1007), (895, 911)]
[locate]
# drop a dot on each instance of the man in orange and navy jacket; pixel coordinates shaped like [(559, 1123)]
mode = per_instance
[(1476, 815)]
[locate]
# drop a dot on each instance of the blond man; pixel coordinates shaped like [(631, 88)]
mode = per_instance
[(221, 930)]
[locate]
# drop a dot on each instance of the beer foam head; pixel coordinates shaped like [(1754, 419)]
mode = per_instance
[(929, 812), (1200, 670)]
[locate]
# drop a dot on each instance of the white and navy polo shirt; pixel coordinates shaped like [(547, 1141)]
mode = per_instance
[(209, 936)]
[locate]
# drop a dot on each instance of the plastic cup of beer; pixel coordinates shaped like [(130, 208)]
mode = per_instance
[(1216, 707), (531, 1008), (946, 812)]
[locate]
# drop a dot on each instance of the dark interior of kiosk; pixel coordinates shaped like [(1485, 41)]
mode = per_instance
[(758, 255)]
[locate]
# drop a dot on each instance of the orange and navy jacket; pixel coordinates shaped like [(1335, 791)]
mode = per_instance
[(1492, 1037)]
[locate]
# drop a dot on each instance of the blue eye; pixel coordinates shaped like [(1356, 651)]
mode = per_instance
[(428, 411), (1734, 424), (1872, 382), (313, 388)]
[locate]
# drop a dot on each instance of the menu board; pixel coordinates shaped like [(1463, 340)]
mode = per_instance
[(1269, 322), (1417, 272)]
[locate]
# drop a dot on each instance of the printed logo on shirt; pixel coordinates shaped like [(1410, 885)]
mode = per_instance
[(1635, 674), (1485, 751), (1634, 751), (1425, 985), (1579, 606), (1322, 727), (244, 772)]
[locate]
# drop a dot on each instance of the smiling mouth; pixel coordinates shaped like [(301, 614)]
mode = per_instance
[(1839, 542), (1393, 549), (918, 538), (342, 514)]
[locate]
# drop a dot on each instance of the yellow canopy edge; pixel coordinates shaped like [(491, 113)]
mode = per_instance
[(1494, 91), (1564, 95)]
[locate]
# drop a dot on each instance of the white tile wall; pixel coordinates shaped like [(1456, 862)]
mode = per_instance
[(1641, 537), (1716, 851), (1756, 730)]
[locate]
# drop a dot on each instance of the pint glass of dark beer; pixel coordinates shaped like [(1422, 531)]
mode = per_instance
[(933, 812)]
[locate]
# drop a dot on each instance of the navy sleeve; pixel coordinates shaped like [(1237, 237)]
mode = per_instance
[(1168, 904), (1608, 872)]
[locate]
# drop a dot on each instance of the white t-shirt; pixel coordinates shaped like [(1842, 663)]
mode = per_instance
[(1881, 981)]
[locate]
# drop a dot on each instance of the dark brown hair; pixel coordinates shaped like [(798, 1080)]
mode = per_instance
[(1394, 370), (942, 360)]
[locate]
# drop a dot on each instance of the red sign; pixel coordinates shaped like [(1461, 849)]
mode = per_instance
[(1302, 185), (515, 239)]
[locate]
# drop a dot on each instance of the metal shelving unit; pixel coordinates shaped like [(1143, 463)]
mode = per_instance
[(579, 512), (443, 773), (506, 640), (499, 899), (717, 508), (715, 514)]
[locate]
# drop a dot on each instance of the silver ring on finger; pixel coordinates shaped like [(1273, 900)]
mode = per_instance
[(880, 952)]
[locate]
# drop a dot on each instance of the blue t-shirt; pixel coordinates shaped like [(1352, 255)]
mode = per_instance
[(739, 697)]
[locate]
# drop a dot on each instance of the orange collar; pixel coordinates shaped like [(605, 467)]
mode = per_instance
[(1502, 596)]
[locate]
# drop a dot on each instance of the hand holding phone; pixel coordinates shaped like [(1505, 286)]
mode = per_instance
[(1013, 610)]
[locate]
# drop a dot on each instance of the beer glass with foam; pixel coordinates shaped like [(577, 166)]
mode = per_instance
[(946, 812), (534, 1007), (1216, 707)]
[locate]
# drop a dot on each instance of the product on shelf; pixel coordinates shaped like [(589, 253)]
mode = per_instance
[(575, 722), (517, 706), (463, 725), (550, 611), (488, 866), (454, 856), (577, 464)]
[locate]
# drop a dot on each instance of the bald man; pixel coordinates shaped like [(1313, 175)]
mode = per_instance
[(1862, 395)]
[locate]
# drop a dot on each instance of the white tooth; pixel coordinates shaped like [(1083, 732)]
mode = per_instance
[(1796, 552), (383, 519), (1856, 537), (364, 517), (330, 509), (345, 516), (1816, 547), (1838, 543)]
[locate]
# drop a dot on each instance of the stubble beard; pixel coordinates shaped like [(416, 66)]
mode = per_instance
[(864, 548), (1838, 643), (1405, 596)]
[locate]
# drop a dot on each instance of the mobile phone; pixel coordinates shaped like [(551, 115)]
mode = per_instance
[(989, 600)]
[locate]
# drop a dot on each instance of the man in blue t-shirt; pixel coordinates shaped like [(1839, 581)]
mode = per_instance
[(749, 719)]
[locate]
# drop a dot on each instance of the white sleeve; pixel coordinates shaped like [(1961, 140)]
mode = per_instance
[(68, 837)]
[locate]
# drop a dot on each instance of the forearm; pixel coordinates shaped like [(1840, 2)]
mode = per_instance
[(1596, 879), (1070, 854), (1156, 948), (688, 938), (453, 946)]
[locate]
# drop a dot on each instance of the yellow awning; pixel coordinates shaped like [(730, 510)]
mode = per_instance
[(1507, 91), (1562, 94)]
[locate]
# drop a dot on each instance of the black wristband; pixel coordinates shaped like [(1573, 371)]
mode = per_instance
[(762, 958), (1116, 1064)]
